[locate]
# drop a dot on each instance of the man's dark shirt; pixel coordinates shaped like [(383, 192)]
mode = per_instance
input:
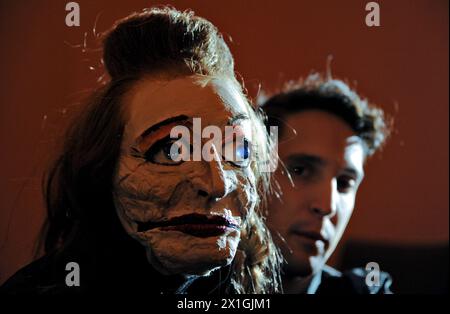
[(353, 281)]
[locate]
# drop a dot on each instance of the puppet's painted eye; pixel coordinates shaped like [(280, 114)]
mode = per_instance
[(167, 151), (240, 154)]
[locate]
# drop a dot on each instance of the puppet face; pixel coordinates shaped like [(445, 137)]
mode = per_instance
[(187, 214)]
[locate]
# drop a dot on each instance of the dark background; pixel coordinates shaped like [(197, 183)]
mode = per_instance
[(402, 207)]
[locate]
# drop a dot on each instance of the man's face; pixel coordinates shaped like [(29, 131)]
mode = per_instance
[(325, 160), (187, 214)]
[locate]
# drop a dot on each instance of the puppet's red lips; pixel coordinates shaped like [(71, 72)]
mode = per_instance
[(202, 231), (194, 224)]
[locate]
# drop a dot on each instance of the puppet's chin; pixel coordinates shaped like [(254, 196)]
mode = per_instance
[(174, 252)]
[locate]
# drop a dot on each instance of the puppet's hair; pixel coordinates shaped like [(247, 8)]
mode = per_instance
[(163, 38), (78, 186)]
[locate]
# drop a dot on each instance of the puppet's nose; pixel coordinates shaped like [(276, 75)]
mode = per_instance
[(221, 183)]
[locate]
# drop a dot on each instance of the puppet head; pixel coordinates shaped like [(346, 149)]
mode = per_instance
[(168, 68)]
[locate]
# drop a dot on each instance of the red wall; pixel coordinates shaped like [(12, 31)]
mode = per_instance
[(402, 66)]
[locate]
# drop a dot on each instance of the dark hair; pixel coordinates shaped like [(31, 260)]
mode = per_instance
[(164, 38), (78, 187), (333, 96)]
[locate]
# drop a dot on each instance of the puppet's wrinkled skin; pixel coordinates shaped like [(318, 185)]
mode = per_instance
[(147, 191)]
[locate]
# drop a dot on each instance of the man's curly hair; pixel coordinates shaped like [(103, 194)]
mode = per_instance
[(334, 96)]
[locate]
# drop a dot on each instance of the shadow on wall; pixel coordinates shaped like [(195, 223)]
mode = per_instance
[(414, 269)]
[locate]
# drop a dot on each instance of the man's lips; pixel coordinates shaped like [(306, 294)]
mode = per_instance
[(313, 235), (194, 224)]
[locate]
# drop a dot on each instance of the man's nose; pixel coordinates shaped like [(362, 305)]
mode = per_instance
[(324, 201)]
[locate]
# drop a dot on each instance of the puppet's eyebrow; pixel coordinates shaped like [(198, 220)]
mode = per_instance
[(238, 117), (158, 125)]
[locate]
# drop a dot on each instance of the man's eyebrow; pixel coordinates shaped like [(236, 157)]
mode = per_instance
[(238, 117), (307, 158), (158, 125)]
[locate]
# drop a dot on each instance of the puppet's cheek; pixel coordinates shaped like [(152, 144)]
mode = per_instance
[(174, 252)]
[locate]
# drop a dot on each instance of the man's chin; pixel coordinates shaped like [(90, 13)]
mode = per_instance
[(303, 266)]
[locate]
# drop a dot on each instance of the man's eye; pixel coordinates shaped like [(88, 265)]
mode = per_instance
[(240, 155), (169, 152), (299, 171), (345, 184)]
